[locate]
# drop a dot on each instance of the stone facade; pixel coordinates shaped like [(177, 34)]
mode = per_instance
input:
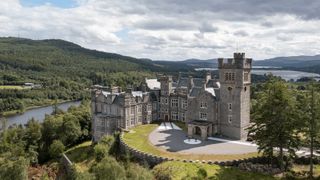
[(207, 105)]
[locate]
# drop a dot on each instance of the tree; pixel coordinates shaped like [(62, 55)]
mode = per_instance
[(110, 169), (100, 151), (13, 167), (71, 129), (275, 123), (56, 149), (309, 111)]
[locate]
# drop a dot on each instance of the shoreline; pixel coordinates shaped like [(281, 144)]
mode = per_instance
[(16, 112)]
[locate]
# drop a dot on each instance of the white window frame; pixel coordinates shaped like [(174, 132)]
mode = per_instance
[(203, 116), (184, 104), (174, 102), (174, 116)]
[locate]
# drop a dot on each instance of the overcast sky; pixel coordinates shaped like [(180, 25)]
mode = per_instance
[(171, 29)]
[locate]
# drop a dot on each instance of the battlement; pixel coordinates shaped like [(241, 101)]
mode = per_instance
[(237, 62), (165, 78), (238, 55)]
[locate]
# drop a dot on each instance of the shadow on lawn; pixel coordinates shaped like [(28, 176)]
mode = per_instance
[(80, 154)]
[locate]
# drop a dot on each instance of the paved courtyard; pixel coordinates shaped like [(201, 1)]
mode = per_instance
[(171, 138)]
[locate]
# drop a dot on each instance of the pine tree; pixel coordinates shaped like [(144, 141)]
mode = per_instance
[(275, 125)]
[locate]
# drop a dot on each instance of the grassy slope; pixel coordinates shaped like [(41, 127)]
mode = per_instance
[(81, 155), (139, 139), (178, 170)]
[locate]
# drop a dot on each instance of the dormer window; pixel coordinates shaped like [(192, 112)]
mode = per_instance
[(203, 105)]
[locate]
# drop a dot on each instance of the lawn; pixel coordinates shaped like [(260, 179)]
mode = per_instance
[(138, 138), (179, 170), (12, 87), (82, 156)]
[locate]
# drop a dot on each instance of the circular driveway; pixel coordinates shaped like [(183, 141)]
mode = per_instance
[(172, 139)]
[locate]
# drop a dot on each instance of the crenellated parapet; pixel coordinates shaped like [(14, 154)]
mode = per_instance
[(239, 61)]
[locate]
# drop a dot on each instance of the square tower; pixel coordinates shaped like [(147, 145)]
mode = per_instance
[(235, 80), (165, 90)]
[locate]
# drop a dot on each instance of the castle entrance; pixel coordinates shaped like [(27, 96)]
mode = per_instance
[(197, 131), (200, 128)]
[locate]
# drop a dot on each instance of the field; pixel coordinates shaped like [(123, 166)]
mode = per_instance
[(180, 170), (140, 140)]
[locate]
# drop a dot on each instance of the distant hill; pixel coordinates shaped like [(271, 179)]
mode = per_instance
[(41, 60), (301, 63), (290, 62)]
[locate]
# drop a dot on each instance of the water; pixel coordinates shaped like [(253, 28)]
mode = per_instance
[(284, 74), (38, 113)]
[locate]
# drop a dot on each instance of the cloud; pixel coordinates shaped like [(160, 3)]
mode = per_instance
[(173, 29)]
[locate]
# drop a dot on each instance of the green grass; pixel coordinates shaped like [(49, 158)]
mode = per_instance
[(181, 125), (82, 156), (12, 87), (138, 138), (179, 170)]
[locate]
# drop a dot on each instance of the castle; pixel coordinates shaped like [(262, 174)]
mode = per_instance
[(208, 106)]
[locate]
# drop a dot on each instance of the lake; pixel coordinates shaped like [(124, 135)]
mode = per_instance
[(38, 113), (284, 74)]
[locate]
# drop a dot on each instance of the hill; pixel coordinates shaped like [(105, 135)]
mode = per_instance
[(290, 62), (65, 70), (34, 60)]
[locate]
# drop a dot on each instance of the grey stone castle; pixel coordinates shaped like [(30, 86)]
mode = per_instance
[(207, 105)]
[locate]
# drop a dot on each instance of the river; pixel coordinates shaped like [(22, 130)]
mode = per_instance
[(38, 113)]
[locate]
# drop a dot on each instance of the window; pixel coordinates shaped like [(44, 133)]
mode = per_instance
[(230, 119), (139, 108), (174, 102), (203, 116), (149, 108), (174, 116), (108, 124), (183, 117), (140, 119), (184, 104), (164, 100), (230, 106), (132, 110), (203, 105), (246, 76), (229, 76), (132, 121)]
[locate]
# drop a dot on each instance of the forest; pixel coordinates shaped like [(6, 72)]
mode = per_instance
[(65, 72)]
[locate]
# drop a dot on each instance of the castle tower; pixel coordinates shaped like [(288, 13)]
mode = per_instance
[(235, 80), (166, 87)]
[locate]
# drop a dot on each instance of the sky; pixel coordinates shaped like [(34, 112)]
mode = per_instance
[(171, 29)]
